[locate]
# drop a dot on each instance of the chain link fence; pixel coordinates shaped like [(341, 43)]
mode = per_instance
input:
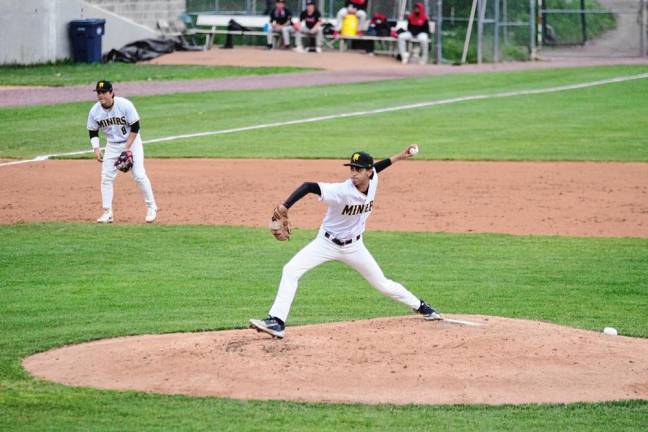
[(593, 28), (500, 30)]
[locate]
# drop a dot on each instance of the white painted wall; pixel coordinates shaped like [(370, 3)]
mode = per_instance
[(36, 31), (145, 12)]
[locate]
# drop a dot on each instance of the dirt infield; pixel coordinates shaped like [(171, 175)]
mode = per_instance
[(388, 360), (580, 199), (395, 360)]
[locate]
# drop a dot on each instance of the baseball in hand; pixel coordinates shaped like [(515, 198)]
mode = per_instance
[(413, 149)]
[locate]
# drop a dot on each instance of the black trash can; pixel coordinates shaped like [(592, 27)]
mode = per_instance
[(85, 36)]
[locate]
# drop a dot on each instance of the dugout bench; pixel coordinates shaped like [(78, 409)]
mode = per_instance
[(216, 24)]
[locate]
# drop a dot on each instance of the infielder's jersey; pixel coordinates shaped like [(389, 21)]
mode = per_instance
[(115, 122), (348, 208)]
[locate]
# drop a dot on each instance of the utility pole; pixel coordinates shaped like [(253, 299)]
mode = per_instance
[(496, 27), (583, 21), (505, 19), (480, 30), (532, 30), (438, 30), (643, 28)]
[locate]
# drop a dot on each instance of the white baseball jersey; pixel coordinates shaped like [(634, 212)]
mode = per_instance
[(348, 208), (115, 121)]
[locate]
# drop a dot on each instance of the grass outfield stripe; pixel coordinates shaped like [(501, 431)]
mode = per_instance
[(361, 113)]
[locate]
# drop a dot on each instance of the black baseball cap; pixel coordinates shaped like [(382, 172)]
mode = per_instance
[(104, 86), (360, 160), (309, 2)]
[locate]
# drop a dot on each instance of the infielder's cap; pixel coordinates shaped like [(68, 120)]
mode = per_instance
[(103, 86), (309, 2), (361, 160)]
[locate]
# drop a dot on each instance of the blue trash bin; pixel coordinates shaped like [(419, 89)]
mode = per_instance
[(85, 36)]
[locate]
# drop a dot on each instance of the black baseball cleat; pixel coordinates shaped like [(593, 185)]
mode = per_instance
[(271, 325), (428, 312)]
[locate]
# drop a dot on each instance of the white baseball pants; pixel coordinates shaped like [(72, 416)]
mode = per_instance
[(422, 38), (109, 172), (285, 31), (354, 255), (304, 32)]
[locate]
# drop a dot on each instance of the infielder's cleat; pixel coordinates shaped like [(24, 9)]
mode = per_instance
[(151, 214), (106, 217), (428, 312), (273, 326)]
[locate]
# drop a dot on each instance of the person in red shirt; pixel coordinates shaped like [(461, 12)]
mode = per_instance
[(418, 27)]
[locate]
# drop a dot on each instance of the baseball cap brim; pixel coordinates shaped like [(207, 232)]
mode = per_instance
[(357, 165)]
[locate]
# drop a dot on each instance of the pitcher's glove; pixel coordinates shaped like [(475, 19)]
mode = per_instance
[(280, 225), (125, 161)]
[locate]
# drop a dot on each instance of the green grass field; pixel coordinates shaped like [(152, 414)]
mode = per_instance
[(65, 74), (68, 283), (599, 123)]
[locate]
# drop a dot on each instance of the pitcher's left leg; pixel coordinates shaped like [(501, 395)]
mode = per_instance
[(364, 263)]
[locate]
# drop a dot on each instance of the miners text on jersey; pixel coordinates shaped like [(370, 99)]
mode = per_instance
[(115, 121), (351, 210), (112, 122), (348, 208)]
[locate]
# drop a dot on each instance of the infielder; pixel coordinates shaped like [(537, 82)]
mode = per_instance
[(340, 238), (119, 120)]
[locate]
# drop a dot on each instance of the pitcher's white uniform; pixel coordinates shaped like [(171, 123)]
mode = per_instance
[(116, 123), (348, 210)]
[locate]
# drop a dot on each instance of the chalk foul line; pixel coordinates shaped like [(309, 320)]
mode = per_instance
[(556, 89)]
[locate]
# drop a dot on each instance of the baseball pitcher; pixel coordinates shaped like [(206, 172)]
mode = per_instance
[(120, 122), (340, 238)]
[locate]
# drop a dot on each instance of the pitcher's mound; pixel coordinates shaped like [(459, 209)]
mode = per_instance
[(389, 360)]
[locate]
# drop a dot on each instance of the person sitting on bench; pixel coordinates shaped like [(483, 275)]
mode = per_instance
[(280, 22), (359, 7), (417, 27), (310, 26)]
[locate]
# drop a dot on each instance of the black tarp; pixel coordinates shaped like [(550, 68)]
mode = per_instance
[(147, 49)]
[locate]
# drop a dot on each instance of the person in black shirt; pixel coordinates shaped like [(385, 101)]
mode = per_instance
[(309, 25), (359, 7), (418, 27), (280, 22)]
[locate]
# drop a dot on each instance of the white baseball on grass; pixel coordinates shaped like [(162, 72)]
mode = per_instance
[(610, 331), (413, 149)]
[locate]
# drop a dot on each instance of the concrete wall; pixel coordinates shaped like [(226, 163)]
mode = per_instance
[(36, 31), (145, 12)]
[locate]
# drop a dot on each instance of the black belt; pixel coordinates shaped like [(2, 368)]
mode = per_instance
[(341, 242)]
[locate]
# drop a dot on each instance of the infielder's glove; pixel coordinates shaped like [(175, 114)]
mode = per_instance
[(125, 161), (280, 225)]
